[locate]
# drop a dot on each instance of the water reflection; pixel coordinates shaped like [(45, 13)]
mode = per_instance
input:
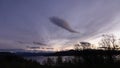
[(56, 59), (43, 59)]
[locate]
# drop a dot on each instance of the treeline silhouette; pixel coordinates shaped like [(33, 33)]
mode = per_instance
[(81, 59), (87, 58)]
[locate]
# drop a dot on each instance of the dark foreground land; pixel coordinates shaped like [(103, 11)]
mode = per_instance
[(82, 59), (9, 60)]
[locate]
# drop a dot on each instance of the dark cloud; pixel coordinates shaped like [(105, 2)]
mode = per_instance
[(35, 43), (32, 47), (50, 48), (62, 23), (38, 43), (36, 47)]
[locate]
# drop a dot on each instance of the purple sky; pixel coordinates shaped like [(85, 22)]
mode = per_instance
[(28, 21)]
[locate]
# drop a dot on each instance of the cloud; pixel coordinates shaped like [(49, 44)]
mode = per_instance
[(34, 43), (38, 43), (36, 47), (62, 23), (32, 47)]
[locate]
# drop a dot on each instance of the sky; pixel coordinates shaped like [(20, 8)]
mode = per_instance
[(26, 23)]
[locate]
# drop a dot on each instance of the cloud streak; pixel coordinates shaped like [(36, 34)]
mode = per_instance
[(62, 23), (34, 43), (38, 43)]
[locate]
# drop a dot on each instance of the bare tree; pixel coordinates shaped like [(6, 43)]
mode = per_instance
[(49, 61), (85, 45), (77, 47), (108, 42), (59, 60), (82, 45)]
